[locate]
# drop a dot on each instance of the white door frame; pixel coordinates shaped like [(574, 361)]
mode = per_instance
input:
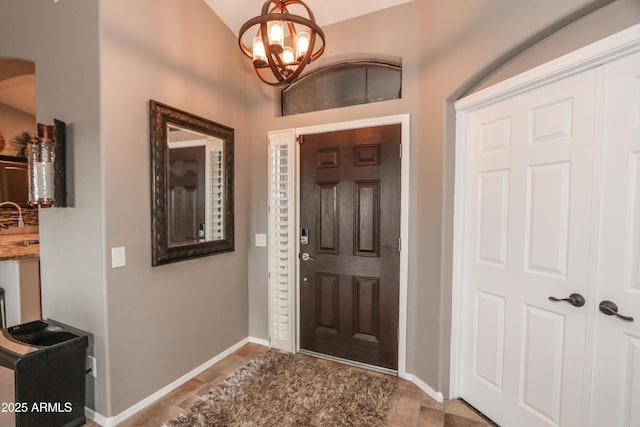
[(404, 121), (589, 57)]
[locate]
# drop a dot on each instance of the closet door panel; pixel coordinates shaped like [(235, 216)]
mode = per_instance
[(527, 233), (616, 374)]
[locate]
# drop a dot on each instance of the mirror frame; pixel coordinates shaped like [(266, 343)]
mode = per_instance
[(160, 115)]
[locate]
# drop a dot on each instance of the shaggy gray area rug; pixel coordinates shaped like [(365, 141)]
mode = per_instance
[(279, 389)]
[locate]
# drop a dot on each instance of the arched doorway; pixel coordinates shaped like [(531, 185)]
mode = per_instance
[(19, 253)]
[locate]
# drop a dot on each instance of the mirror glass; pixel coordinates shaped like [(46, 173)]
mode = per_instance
[(192, 185), (196, 191)]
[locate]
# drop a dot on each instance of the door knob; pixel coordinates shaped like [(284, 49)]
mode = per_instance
[(575, 300), (611, 309), (306, 257)]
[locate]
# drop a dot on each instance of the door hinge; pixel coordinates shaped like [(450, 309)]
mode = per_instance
[(299, 139), (400, 244), (400, 150)]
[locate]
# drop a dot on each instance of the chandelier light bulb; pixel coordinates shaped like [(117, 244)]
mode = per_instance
[(287, 55), (276, 33), (302, 44), (259, 53)]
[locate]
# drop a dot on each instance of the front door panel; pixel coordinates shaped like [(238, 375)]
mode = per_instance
[(186, 194), (350, 203)]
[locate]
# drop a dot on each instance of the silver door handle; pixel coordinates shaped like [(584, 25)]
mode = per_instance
[(306, 257)]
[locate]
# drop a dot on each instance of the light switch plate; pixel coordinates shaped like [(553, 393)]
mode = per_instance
[(118, 257), (261, 240)]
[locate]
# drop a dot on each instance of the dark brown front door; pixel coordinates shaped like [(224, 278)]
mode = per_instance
[(350, 210), (186, 194)]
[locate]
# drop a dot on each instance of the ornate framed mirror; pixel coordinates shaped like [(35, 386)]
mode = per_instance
[(192, 212)]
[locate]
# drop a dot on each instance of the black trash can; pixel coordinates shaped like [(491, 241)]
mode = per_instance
[(49, 367)]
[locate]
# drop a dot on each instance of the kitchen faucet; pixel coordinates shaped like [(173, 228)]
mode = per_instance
[(20, 220)]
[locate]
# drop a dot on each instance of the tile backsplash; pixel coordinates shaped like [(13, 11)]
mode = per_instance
[(9, 216)]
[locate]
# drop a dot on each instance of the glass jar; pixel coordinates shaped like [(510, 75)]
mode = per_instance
[(41, 156)]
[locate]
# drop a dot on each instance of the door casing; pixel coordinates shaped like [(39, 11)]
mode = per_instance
[(404, 121)]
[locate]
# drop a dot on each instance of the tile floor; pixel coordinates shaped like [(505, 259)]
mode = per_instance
[(411, 406)]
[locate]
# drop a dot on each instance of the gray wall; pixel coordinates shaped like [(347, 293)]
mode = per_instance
[(609, 19), (447, 47), (575, 25), (353, 36), (62, 39), (165, 321), (98, 64), (463, 44)]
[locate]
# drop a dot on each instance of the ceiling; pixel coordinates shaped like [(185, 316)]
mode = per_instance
[(237, 12)]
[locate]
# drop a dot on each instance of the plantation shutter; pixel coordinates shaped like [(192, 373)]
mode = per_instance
[(281, 250), (216, 197)]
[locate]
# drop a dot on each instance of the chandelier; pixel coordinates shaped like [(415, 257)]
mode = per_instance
[(284, 42)]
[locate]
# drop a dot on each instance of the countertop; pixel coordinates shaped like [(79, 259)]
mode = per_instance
[(13, 246)]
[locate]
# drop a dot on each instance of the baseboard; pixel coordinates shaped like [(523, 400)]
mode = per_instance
[(259, 341), (97, 418), (436, 395), (112, 421)]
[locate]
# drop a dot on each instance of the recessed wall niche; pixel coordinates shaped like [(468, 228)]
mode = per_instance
[(17, 104), (17, 125), (343, 84)]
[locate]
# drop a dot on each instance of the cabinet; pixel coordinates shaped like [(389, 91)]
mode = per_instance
[(548, 205), (21, 282), (14, 180)]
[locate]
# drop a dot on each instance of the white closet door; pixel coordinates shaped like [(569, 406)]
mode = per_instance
[(616, 381), (527, 237)]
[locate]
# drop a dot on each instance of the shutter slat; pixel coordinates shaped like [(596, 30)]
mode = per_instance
[(215, 224)]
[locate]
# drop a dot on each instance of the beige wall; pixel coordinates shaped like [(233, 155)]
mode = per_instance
[(165, 321)]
